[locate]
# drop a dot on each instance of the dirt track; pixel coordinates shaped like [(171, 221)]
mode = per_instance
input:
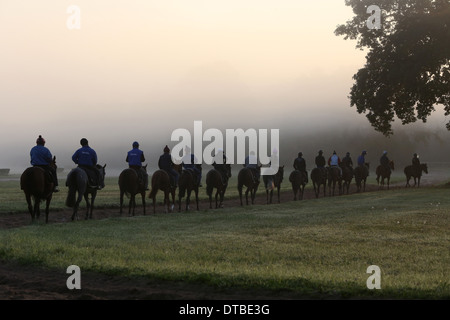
[(32, 283)]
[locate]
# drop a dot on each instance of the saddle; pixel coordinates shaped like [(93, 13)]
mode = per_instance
[(92, 177)]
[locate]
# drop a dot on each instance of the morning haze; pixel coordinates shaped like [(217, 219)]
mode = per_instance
[(139, 70)]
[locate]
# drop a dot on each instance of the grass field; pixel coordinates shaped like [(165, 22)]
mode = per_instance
[(314, 248)]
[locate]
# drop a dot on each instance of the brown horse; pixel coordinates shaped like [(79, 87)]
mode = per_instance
[(215, 180), (334, 177), (36, 184), (78, 182), (130, 185), (411, 172), (298, 182), (347, 177), (319, 177), (361, 174), (186, 184), (384, 173), (273, 181), (161, 181), (247, 177)]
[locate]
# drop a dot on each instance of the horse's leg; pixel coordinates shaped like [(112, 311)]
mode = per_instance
[(217, 198), (143, 200), (240, 193), (173, 191), (131, 205), (267, 196), (188, 198), (37, 204), (246, 195), (196, 198), (47, 208), (121, 200), (30, 206)]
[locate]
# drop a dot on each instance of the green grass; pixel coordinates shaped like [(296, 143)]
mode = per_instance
[(313, 248)]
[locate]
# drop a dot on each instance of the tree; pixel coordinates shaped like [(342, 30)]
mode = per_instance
[(407, 70)]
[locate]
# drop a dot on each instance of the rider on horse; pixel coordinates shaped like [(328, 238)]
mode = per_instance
[(189, 163), (300, 165), (135, 157), (221, 166), (321, 162), (86, 159), (251, 161), (335, 161), (362, 159), (416, 164), (347, 161), (165, 163), (42, 157), (384, 161)]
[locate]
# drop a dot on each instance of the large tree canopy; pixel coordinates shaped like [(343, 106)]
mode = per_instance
[(407, 70)]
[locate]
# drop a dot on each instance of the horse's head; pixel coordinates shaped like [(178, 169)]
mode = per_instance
[(102, 172), (391, 164), (228, 168), (53, 163), (424, 167)]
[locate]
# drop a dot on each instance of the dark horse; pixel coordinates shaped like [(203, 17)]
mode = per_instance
[(187, 183), (36, 184), (78, 182), (361, 174), (161, 181), (411, 172), (246, 177), (273, 181), (334, 177), (130, 185), (319, 177), (347, 177), (215, 180), (384, 173), (298, 182)]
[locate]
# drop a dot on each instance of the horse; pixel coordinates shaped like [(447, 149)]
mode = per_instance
[(298, 182), (361, 174), (130, 185), (347, 177), (161, 181), (215, 180), (247, 178), (273, 181), (78, 182), (36, 184), (187, 183), (334, 176), (411, 172), (383, 173), (319, 177)]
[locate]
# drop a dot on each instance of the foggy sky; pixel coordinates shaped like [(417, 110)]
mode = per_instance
[(137, 70)]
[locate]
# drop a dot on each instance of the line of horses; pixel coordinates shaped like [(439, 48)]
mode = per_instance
[(37, 186)]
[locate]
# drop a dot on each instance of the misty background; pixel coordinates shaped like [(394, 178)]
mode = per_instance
[(136, 71)]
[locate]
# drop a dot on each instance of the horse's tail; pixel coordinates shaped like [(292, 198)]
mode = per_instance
[(71, 195)]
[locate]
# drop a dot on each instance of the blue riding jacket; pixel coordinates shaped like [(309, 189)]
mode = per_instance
[(40, 156), (135, 157), (85, 156)]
